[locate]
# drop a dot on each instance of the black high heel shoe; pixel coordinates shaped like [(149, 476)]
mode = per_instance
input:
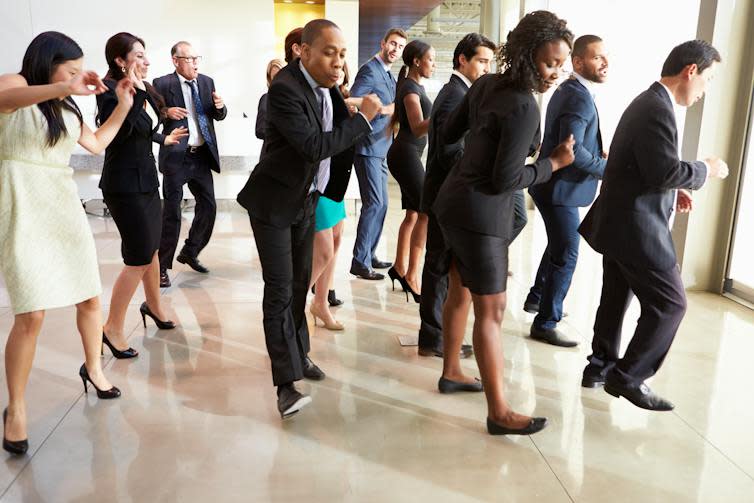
[(17, 447), (393, 274), (407, 288), (162, 325), (103, 394), (128, 353)]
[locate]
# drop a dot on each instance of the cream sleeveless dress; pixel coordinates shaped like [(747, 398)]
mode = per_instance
[(47, 253)]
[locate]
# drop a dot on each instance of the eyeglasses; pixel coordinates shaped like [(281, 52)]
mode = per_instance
[(190, 59)]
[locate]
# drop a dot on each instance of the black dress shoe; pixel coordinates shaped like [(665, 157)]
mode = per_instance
[(467, 350), (531, 307), (592, 377), (311, 371), (17, 447), (332, 299), (290, 401), (192, 262), (164, 279), (448, 386), (379, 264), (640, 395), (536, 424), (552, 336), (364, 273)]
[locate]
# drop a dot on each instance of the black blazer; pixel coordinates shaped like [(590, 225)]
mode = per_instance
[(629, 220), (441, 156), (129, 163), (293, 147), (169, 86), (261, 125), (502, 125)]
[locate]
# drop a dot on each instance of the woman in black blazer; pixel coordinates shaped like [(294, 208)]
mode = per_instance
[(129, 187), (474, 206), (273, 67)]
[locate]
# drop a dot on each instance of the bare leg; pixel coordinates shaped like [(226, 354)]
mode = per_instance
[(123, 291), (19, 355), (320, 303), (337, 237), (404, 242), (488, 313), (89, 323), (418, 241), (321, 255), (151, 282), (455, 313)]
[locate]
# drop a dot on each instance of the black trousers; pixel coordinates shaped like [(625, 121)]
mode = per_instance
[(197, 173), (663, 304), (435, 275), (286, 258)]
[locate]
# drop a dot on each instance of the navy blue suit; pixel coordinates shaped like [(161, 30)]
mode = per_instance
[(369, 163), (570, 111)]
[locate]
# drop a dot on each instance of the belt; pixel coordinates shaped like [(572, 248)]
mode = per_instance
[(194, 150)]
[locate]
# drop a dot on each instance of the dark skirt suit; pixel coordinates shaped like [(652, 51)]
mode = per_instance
[(475, 205), (129, 176), (404, 159)]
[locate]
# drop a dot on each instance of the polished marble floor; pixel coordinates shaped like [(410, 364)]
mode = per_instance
[(198, 420)]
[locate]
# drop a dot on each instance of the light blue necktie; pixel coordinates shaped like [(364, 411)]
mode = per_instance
[(323, 173), (200, 115)]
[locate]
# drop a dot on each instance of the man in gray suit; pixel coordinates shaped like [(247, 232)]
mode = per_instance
[(629, 224), (374, 77)]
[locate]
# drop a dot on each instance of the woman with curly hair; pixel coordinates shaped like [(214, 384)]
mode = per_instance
[(475, 204)]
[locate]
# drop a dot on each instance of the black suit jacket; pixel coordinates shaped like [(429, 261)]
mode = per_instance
[(129, 164), (442, 156), (293, 147), (169, 86), (261, 124), (629, 220), (502, 125)]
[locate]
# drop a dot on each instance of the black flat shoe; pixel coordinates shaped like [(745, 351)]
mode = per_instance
[(103, 394), (121, 355), (448, 386), (162, 325), (332, 299), (592, 378), (394, 276), (640, 395), (311, 371), (17, 447), (290, 400), (364, 273), (536, 424), (379, 264), (192, 262)]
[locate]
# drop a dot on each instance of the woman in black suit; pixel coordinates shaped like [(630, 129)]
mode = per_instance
[(412, 110), (475, 204), (273, 67), (129, 187)]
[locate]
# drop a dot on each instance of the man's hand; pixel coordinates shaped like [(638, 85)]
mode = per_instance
[(717, 167), (684, 201), (219, 104), (605, 153), (177, 113), (562, 156), (370, 106)]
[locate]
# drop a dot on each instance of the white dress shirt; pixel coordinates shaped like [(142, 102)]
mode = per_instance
[(195, 138)]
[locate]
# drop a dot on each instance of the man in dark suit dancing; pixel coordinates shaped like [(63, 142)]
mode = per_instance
[(471, 59), (308, 151), (629, 224), (571, 111), (192, 103)]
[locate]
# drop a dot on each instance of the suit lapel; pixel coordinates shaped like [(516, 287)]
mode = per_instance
[(386, 75), (175, 91), (308, 91)]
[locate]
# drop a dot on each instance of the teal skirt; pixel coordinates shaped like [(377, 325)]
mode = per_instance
[(328, 213)]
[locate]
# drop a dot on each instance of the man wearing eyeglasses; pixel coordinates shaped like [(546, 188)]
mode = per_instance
[(191, 102)]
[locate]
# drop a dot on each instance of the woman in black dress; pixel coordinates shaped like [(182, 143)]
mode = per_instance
[(412, 109), (474, 206), (129, 187)]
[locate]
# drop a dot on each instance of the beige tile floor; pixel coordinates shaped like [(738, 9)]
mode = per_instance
[(198, 421)]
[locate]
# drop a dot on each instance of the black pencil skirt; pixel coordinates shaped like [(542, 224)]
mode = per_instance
[(138, 217)]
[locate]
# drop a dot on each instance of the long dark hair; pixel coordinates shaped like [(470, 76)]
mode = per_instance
[(118, 46), (346, 80), (516, 57), (44, 54), (416, 49)]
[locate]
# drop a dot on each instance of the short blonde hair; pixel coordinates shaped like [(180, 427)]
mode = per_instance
[(272, 64)]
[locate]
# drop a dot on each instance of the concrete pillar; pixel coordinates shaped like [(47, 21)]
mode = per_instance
[(433, 21)]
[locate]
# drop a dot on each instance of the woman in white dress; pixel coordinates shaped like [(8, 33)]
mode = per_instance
[(47, 252)]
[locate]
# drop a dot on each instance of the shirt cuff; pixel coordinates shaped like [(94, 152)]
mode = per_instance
[(367, 120), (706, 173)]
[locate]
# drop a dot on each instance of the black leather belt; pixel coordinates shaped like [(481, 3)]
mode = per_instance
[(194, 150)]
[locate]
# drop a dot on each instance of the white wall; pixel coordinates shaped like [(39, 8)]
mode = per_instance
[(235, 38)]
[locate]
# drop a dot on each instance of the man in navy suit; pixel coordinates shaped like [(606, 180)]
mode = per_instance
[(570, 111), (629, 224), (374, 77), (193, 103)]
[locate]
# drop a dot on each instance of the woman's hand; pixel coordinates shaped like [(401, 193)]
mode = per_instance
[(175, 136), (125, 92), (85, 83), (563, 156), (135, 77)]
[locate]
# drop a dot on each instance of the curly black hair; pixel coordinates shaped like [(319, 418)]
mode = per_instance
[(515, 58)]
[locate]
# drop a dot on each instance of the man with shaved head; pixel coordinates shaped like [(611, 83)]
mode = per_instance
[(308, 151)]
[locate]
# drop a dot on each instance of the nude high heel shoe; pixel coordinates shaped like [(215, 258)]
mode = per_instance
[(334, 325)]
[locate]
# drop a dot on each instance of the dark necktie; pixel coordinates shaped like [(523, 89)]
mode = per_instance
[(201, 117)]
